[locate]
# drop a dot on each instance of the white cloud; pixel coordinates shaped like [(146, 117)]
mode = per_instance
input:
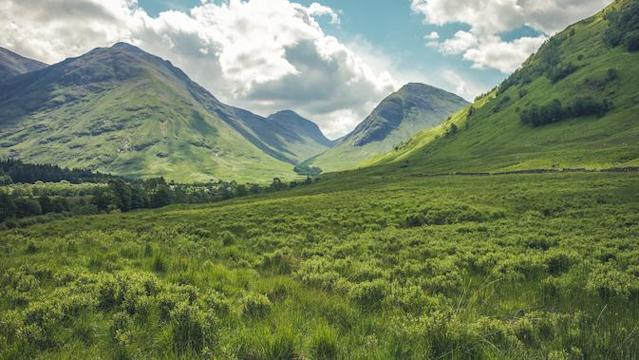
[(501, 55), (459, 43), (264, 55), (432, 36), (488, 18), (318, 10)]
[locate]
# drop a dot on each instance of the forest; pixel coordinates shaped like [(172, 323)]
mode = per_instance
[(45, 192)]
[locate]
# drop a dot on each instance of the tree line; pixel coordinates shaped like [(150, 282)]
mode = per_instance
[(555, 111), (16, 171), (110, 193)]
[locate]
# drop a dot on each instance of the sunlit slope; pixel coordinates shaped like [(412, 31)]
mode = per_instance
[(493, 137), (124, 111), (398, 117)]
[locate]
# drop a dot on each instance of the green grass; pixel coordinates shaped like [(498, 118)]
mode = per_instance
[(145, 124), (494, 139), (516, 266)]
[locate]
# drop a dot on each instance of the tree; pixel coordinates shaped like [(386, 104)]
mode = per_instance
[(452, 130), (241, 190), (123, 194), (277, 185), (7, 207), (104, 199), (161, 196), (27, 207)]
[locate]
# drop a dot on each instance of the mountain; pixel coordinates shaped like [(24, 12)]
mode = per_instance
[(12, 64), (307, 139), (573, 104), (401, 115), (285, 135), (125, 111)]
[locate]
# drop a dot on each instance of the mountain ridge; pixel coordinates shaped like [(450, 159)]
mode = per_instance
[(13, 64), (123, 110), (396, 118)]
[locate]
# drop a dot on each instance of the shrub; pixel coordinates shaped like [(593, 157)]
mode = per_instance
[(217, 303), (560, 72), (608, 282), (559, 262), (369, 294), (255, 305), (227, 238), (192, 329), (159, 264), (31, 248), (554, 111), (623, 27), (280, 262), (451, 213)]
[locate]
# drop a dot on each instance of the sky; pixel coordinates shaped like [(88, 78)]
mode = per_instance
[(332, 61)]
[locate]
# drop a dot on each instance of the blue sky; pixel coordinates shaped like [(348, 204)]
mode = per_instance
[(332, 61)]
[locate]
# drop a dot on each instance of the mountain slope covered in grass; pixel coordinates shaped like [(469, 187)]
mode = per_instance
[(305, 137), (398, 117), (573, 104), (12, 64), (125, 111)]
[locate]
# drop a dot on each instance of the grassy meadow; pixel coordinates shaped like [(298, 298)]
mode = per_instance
[(539, 266)]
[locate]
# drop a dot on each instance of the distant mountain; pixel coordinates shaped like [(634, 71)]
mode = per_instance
[(12, 64), (304, 136), (125, 111), (401, 115), (573, 104)]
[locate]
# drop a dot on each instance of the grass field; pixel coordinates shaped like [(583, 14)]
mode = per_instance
[(366, 267)]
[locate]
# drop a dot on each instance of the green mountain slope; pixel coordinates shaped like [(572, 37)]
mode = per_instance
[(573, 104), (285, 135), (398, 117), (125, 111), (12, 64), (304, 137)]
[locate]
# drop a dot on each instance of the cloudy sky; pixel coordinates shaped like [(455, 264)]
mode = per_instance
[(330, 60)]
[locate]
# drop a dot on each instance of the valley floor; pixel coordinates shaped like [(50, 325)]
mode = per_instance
[(542, 266)]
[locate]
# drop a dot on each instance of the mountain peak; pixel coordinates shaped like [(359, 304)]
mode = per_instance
[(397, 108), (301, 126), (284, 113), (126, 47), (13, 64)]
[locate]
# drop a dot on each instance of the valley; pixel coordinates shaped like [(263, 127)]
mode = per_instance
[(141, 217)]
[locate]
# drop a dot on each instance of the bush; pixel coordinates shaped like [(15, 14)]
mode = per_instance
[(228, 238), (554, 111), (192, 329), (369, 294), (623, 27), (159, 264), (280, 261), (451, 213), (558, 73), (255, 305)]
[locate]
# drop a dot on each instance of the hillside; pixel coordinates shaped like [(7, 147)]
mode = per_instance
[(12, 64), (124, 111), (412, 108), (573, 104), (307, 139)]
